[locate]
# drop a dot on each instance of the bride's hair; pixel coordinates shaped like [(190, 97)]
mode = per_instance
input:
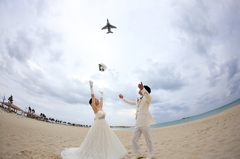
[(90, 101)]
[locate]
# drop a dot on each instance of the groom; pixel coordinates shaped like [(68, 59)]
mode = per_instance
[(143, 120)]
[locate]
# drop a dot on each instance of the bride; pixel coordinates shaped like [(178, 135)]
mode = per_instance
[(100, 142)]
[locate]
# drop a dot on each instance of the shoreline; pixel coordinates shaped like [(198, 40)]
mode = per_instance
[(158, 125)]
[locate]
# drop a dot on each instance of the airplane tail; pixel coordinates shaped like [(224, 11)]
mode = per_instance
[(109, 32)]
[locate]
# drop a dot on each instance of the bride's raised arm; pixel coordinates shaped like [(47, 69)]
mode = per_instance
[(101, 99), (92, 94)]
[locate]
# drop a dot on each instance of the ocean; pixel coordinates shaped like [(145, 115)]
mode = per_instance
[(192, 118), (197, 117)]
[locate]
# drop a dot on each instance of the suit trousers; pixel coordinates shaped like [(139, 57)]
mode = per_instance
[(146, 131)]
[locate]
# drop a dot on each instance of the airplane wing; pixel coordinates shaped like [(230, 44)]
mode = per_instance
[(105, 27), (112, 26)]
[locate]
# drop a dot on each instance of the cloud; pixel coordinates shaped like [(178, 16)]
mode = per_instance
[(195, 25), (232, 67), (233, 70), (159, 76), (215, 73), (226, 71), (21, 47), (30, 43)]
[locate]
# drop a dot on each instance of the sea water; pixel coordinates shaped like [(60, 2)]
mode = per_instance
[(192, 118), (197, 117)]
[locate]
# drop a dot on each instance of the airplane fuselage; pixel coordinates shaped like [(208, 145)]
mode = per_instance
[(108, 26)]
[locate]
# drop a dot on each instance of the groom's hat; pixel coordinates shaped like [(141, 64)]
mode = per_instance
[(147, 88)]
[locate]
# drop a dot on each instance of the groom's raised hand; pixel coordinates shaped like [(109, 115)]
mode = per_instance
[(121, 96), (140, 86)]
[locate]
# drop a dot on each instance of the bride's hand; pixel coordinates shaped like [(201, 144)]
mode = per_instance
[(91, 84)]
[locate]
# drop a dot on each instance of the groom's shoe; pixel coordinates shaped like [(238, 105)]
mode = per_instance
[(137, 157)]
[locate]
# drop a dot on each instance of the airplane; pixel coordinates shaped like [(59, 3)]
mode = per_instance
[(109, 26)]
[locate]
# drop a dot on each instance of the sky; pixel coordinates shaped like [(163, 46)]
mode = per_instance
[(186, 51)]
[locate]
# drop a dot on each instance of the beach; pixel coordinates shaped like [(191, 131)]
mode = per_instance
[(214, 137)]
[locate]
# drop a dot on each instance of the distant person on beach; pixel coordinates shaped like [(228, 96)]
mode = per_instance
[(100, 142), (143, 121)]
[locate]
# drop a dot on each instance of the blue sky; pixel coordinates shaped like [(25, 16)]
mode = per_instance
[(186, 51)]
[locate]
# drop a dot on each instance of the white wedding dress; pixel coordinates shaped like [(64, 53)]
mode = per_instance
[(100, 143)]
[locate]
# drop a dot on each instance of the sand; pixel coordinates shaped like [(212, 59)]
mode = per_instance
[(215, 137)]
